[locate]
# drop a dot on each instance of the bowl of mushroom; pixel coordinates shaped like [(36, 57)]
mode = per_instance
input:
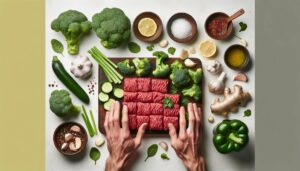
[(70, 138)]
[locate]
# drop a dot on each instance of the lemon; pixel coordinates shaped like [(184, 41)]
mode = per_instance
[(207, 48), (147, 27)]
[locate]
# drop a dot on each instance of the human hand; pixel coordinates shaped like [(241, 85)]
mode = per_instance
[(188, 141), (120, 144)]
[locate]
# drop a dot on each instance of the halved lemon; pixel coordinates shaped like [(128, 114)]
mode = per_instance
[(147, 27), (207, 48)]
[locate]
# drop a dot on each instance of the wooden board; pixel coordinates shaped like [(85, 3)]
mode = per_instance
[(102, 77)]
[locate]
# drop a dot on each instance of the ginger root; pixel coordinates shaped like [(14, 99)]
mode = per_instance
[(231, 101)]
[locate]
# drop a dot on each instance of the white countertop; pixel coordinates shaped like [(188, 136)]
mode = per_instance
[(199, 9)]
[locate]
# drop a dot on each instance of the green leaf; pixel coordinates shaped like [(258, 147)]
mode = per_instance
[(164, 156), (171, 50), (150, 47), (134, 47), (168, 103), (247, 113), (152, 150), (243, 26), (95, 154), (57, 46)]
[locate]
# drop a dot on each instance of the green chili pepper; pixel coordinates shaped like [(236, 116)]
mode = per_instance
[(230, 135)]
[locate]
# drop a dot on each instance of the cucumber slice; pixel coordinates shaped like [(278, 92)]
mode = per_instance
[(118, 93), (103, 97), (108, 103), (106, 87)]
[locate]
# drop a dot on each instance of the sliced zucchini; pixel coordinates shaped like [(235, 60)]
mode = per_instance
[(108, 103), (118, 93), (103, 97), (106, 87)]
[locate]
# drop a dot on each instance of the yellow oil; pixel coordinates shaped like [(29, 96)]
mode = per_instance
[(236, 57)]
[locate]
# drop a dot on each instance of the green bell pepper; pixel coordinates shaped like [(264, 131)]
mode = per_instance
[(230, 135)]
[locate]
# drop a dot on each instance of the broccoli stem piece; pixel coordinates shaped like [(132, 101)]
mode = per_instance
[(73, 46)]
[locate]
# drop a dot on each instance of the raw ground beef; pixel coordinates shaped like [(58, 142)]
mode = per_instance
[(131, 106), (172, 111), (144, 84), (130, 84), (175, 97), (157, 97), (173, 120), (156, 122), (130, 96), (160, 85), (157, 109), (132, 122), (143, 109), (141, 119), (145, 97)]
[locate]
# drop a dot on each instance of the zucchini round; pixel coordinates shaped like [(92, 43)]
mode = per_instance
[(118, 93), (106, 87), (108, 103), (103, 97)]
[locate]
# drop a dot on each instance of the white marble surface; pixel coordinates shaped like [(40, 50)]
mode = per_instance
[(199, 9)]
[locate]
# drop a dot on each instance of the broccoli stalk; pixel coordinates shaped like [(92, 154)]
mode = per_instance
[(196, 75), (143, 66), (125, 67), (61, 104), (193, 92), (162, 69), (73, 25)]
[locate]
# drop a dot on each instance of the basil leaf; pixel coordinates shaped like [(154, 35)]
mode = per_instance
[(134, 47), (95, 154), (150, 47), (164, 156), (152, 150), (243, 26), (171, 50), (57, 46), (247, 113), (168, 103)]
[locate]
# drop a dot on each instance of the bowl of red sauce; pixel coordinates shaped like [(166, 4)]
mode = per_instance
[(217, 27)]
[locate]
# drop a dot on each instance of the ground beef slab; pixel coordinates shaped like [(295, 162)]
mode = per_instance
[(143, 109), (160, 85), (156, 122), (157, 97), (172, 111), (144, 84), (130, 96), (141, 119), (131, 106), (175, 97), (172, 120), (132, 122), (130, 84), (145, 97), (157, 109)]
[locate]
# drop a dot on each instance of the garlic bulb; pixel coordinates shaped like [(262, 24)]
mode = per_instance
[(217, 86), (81, 67), (214, 67)]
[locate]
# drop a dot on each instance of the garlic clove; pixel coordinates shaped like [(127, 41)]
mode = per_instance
[(163, 43), (64, 146), (184, 54), (241, 77), (99, 142), (189, 63), (211, 119), (68, 137), (72, 146), (75, 128), (77, 143), (163, 145), (192, 50)]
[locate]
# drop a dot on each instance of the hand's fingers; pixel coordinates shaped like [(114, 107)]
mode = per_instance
[(110, 116), (191, 118), (140, 134), (197, 123), (106, 124), (172, 133), (116, 115), (125, 118), (182, 123)]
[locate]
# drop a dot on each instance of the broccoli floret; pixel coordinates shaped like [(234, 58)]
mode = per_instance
[(193, 92), (176, 65), (180, 77), (162, 69), (143, 66), (73, 25), (112, 26), (125, 67), (61, 104), (196, 76), (173, 89)]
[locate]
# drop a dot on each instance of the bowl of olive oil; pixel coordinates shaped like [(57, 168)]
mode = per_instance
[(237, 57)]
